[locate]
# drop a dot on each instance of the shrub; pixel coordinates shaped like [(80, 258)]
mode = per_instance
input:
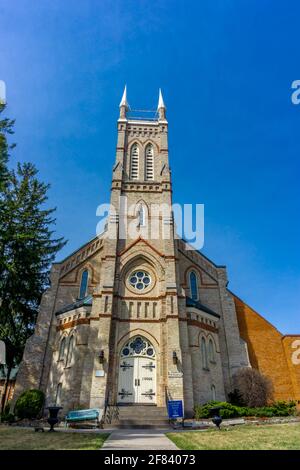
[(6, 415), (228, 410), (29, 404), (236, 398), (282, 408), (8, 418), (253, 388)]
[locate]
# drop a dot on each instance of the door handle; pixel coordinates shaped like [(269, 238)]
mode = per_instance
[(137, 382)]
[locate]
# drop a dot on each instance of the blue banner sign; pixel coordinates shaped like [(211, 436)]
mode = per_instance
[(175, 409)]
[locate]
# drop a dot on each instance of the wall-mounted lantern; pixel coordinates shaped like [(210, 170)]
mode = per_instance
[(101, 356), (175, 358)]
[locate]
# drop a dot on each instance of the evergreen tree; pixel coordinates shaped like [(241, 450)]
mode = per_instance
[(6, 127), (27, 249)]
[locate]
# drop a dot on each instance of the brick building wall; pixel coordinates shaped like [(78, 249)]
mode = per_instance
[(270, 352), (291, 345)]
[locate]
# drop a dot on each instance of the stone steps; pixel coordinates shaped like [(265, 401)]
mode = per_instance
[(140, 417), (142, 411), (146, 420), (142, 426)]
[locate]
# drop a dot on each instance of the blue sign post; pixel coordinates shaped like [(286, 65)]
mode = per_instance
[(175, 409)]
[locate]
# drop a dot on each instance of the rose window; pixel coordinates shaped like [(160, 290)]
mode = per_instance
[(140, 280), (138, 346)]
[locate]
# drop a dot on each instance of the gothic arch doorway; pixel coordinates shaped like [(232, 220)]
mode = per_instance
[(137, 372)]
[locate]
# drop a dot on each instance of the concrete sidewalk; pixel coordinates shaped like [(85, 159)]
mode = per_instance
[(138, 439)]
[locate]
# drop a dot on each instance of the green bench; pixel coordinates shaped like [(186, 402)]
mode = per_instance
[(93, 414)]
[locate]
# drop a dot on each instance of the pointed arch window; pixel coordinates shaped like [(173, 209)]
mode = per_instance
[(149, 163), (84, 284), (211, 351), (62, 349), (70, 350), (213, 393), (58, 394), (194, 286), (204, 354), (141, 216), (134, 162)]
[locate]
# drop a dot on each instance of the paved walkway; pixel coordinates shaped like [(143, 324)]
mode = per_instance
[(138, 439)]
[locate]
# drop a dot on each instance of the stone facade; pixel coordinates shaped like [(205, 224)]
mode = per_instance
[(192, 326)]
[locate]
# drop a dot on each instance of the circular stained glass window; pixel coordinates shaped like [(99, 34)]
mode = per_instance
[(150, 352), (139, 280)]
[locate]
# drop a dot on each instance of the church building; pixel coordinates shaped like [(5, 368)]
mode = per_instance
[(139, 320)]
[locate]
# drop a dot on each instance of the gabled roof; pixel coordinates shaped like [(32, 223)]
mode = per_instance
[(202, 254), (87, 301), (195, 304), (140, 240), (13, 373)]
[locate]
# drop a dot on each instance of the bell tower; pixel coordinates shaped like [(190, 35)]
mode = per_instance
[(141, 174), (138, 286)]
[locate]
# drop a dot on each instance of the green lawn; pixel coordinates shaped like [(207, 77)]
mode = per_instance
[(269, 437), (12, 438)]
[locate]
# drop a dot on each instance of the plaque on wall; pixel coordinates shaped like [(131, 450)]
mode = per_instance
[(99, 373), (175, 375)]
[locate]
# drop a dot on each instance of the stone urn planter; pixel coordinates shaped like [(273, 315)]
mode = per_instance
[(216, 418), (53, 416)]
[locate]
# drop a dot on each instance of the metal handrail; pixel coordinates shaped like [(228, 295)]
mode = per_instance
[(131, 114)]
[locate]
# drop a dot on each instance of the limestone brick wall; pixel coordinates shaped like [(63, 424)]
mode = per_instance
[(37, 369), (88, 257), (70, 373), (204, 378), (187, 365), (232, 351), (35, 358), (213, 293)]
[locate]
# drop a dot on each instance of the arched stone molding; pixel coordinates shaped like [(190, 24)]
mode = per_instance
[(154, 145), (137, 332)]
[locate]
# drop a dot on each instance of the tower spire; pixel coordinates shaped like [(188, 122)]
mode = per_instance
[(161, 107), (124, 106)]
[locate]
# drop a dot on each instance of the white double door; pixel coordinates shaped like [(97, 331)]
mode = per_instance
[(137, 380)]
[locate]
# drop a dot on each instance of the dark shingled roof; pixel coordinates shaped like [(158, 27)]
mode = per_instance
[(194, 303), (79, 303), (13, 373)]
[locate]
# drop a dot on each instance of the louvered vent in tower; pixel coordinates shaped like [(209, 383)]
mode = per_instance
[(149, 166), (134, 162)]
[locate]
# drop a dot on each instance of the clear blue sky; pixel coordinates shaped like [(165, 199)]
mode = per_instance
[(225, 67)]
